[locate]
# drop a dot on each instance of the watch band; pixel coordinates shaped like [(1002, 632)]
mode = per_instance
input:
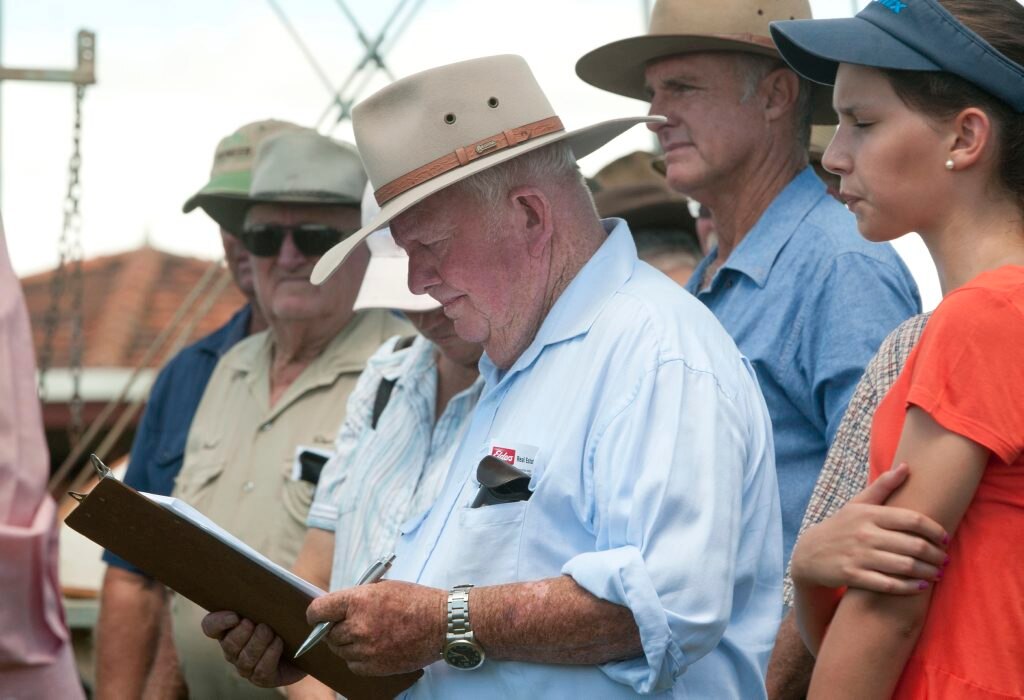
[(458, 613), (461, 650)]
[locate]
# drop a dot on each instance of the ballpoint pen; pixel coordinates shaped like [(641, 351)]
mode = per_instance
[(373, 573)]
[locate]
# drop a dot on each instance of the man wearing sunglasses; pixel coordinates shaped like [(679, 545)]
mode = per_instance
[(283, 392), (131, 662)]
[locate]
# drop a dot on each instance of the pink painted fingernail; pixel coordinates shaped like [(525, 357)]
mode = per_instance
[(923, 585), (945, 562), (938, 576), (945, 539)]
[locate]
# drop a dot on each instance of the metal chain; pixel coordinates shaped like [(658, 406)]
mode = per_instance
[(70, 254)]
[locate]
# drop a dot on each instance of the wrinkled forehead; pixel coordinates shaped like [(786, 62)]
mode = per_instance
[(695, 63), (699, 68), (340, 216), (438, 214)]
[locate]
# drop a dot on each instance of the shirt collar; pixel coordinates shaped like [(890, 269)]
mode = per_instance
[(578, 307), (407, 364), (223, 339), (757, 252), (347, 352)]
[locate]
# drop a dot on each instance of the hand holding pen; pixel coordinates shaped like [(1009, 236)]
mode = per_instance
[(373, 573)]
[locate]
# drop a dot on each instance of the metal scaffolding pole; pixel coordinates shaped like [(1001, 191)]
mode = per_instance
[(83, 74)]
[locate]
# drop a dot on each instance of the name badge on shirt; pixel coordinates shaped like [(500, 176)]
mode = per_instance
[(515, 454)]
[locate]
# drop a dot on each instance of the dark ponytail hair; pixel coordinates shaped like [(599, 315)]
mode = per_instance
[(942, 96)]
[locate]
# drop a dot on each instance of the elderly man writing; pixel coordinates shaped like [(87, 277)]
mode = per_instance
[(285, 388), (639, 550)]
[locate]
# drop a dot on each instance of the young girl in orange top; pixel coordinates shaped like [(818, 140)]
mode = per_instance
[(930, 97)]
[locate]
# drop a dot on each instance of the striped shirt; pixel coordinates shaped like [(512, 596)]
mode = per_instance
[(379, 478)]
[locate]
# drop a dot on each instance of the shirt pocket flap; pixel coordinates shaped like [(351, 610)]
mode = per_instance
[(195, 478), (497, 514)]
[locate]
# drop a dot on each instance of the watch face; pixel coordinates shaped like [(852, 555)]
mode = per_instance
[(463, 655)]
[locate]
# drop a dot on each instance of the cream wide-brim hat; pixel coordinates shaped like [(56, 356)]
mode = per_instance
[(691, 26), (430, 130), (385, 284)]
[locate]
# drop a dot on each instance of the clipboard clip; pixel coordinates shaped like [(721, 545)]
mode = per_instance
[(77, 496), (102, 469)]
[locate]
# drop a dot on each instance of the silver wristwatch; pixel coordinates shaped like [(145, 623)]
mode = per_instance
[(460, 648)]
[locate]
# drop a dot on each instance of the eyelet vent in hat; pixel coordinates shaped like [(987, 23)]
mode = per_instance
[(492, 102), (449, 118), (411, 155)]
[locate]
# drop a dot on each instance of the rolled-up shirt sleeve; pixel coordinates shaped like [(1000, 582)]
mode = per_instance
[(667, 475)]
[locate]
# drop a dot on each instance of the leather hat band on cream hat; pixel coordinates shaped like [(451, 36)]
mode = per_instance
[(432, 129)]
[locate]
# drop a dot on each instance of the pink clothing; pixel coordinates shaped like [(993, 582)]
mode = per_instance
[(35, 658)]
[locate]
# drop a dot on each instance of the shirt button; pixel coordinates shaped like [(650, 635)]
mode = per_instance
[(248, 486)]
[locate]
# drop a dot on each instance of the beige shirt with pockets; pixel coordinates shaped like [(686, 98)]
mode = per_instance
[(238, 466)]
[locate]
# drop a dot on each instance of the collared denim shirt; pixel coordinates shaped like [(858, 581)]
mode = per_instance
[(653, 487), (808, 301), (159, 445)]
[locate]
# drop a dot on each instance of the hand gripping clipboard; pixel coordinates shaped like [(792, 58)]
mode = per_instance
[(215, 576)]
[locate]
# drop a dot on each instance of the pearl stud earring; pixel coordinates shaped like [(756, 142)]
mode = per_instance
[(950, 164)]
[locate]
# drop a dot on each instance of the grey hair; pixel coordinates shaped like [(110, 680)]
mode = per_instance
[(753, 68), (554, 163)]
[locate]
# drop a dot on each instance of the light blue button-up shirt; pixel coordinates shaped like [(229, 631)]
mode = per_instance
[(808, 301), (653, 487)]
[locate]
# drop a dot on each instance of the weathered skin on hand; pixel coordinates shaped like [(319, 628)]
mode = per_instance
[(385, 628)]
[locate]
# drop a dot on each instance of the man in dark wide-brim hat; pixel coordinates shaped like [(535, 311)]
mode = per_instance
[(802, 294), (610, 523)]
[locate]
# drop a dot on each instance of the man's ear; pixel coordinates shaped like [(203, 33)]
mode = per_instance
[(532, 216), (971, 131), (779, 92)]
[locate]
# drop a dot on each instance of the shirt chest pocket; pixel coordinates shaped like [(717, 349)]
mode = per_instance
[(297, 495), (196, 482), (203, 465), (486, 547)]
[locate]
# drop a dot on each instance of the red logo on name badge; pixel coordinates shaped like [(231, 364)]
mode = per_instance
[(504, 454)]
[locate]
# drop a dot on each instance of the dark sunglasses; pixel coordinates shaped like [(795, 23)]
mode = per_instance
[(312, 240)]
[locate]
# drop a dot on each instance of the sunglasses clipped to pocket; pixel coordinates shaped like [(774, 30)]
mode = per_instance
[(500, 483), (312, 240)]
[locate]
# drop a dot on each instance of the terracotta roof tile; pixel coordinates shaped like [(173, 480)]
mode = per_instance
[(127, 300)]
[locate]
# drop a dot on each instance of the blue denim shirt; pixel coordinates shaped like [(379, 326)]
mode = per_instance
[(808, 301), (159, 445)]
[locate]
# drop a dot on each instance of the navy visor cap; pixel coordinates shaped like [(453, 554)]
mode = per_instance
[(913, 35)]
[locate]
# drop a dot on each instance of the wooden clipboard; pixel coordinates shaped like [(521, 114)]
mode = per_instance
[(197, 565)]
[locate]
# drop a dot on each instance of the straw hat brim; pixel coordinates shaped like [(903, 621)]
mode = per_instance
[(619, 67), (582, 142)]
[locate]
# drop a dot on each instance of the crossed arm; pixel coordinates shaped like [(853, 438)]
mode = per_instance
[(872, 634)]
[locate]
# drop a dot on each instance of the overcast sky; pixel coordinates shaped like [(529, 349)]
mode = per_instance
[(175, 77)]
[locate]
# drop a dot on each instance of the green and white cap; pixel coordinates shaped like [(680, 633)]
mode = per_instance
[(231, 174)]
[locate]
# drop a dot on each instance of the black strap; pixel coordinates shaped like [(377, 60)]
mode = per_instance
[(386, 386)]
